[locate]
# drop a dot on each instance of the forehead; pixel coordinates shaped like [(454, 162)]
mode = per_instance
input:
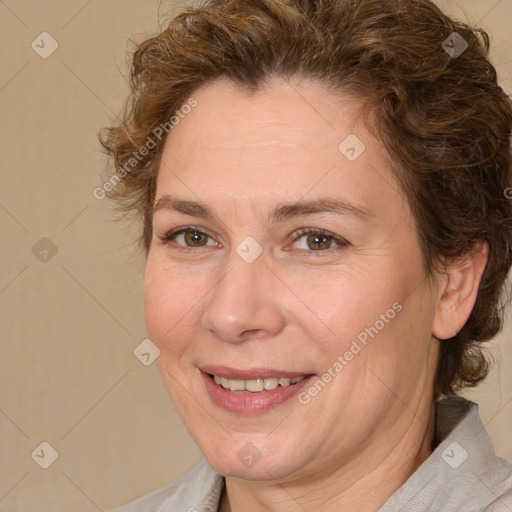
[(280, 118), (286, 140)]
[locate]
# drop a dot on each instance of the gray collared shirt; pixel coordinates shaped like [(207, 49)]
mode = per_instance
[(462, 474)]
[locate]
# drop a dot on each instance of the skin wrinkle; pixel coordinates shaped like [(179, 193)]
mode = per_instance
[(345, 68), (294, 311), (365, 51)]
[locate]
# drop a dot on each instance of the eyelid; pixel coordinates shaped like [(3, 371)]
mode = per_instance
[(340, 241), (173, 233), (297, 235)]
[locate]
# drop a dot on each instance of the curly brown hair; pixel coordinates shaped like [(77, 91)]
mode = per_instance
[(424, 78)]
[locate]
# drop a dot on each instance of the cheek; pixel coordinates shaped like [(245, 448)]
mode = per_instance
[(170, 303), (345, 305)]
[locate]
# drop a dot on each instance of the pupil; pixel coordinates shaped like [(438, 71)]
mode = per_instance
[(319, 241), (195, 237)]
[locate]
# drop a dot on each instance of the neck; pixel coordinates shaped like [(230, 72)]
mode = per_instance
[(364, 483)]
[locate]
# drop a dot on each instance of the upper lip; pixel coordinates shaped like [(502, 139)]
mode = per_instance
[(249, 374)]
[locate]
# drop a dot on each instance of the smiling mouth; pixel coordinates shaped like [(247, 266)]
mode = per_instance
[(252, 391), (255, 385)]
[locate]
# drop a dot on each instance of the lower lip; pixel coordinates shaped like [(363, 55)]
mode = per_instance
[(248, 403)]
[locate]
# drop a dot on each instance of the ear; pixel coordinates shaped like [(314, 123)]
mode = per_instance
[(458, 291)]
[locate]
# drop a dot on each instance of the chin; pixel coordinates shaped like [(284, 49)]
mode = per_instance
[(245, 460)]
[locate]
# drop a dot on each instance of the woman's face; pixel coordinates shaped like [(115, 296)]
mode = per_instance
[(245, 292)]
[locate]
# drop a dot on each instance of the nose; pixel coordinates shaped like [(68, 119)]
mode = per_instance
[(243, 303)]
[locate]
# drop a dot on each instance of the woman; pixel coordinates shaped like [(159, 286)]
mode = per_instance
[(327, 238)]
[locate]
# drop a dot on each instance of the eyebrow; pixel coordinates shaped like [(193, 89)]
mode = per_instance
[(279, 213)]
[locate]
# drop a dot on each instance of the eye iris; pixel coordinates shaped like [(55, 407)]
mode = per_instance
[(194, 238), (324, 242)]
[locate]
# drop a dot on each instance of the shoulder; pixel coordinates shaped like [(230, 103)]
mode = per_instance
[(197, 490), (495, 480), (462, 473), (475, 478)]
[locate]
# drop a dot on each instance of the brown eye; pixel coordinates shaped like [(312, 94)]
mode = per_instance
[(315, 240), (318, 242), (188, 237), (195, 238)]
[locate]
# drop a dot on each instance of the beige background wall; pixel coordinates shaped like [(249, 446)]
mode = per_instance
[(71, 320)]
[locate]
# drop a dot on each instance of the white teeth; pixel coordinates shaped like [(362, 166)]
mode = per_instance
[(255, 385), (236, 385), (270, 383)]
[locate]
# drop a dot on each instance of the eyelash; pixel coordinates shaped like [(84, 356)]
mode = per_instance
[(298, 235)]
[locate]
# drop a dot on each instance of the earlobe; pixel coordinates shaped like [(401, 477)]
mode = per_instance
[(459, 290)]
